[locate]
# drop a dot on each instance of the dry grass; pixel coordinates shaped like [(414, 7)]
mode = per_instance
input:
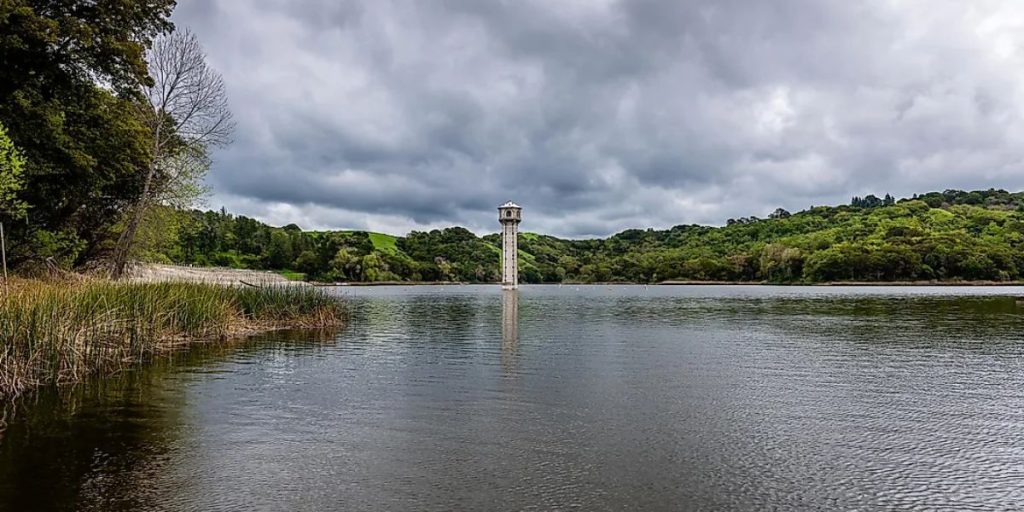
[(61, 331)]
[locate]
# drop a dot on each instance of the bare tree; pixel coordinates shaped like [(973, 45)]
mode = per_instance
[(187, 114)]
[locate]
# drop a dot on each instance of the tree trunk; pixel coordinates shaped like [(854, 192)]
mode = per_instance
[(127, 238), (125, 243)]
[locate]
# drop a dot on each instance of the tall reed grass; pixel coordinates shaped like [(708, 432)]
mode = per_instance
[(59, 332)]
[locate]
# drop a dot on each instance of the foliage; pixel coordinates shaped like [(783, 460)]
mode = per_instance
[(937, 236), (187, 114), (68, 96), (12, 179), (872, 201)]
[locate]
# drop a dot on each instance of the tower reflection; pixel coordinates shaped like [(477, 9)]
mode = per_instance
[(509, 329)]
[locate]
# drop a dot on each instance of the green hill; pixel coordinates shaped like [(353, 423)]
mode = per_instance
[(952, 235), (383, 242)]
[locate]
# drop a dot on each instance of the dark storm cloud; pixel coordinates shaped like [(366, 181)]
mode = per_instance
[(598, 115)]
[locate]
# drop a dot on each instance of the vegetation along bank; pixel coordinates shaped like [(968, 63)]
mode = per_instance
[(56, 332)]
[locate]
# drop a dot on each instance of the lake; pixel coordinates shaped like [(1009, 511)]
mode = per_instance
[(587, 397)]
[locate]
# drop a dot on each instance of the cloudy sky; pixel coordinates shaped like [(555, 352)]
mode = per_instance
[(600, 115)]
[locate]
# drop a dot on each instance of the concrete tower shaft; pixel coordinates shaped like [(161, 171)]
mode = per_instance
[(510, 215)]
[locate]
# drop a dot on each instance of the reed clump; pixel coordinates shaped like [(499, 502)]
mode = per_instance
[(61, 331)]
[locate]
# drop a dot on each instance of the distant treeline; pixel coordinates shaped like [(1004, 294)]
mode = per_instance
[(951, 235)]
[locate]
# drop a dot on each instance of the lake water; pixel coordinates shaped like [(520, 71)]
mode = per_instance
[(590, 397)]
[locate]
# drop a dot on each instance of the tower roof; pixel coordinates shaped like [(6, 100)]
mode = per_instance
[(510, 204)]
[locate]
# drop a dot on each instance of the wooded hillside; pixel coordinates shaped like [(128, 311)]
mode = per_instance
[(952, 235)]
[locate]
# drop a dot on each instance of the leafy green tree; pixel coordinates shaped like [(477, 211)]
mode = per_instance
[(346, 265), (12, 178), (279, 254), (374, 268), (186, 114), (12, 182), (308, 263), (158, 236), (83, 143)]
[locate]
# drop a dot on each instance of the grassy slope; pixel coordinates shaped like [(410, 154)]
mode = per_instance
[(383, 242), (291, 275)]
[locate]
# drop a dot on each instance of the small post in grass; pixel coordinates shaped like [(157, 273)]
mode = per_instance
[(3, 254)]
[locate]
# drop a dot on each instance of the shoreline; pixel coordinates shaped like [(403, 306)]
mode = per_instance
[(689, 283), (847, 283)]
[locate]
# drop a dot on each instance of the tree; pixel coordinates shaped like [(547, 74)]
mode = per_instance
[(375, 269), (81, 141), (12, 181), (280, 252), (346, 265), (80, 40), (872, 201), (187, 114), (12, 177), (158, 239), (772, 267), (308, 263)]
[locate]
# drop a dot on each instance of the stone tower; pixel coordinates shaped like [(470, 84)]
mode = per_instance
[(510, 214)]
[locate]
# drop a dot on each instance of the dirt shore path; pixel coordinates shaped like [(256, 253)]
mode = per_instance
[(154, 273)]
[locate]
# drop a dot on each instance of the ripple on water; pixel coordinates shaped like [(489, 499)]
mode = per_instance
[(607, 398)]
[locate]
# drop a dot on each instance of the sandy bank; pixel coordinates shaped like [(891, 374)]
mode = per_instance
[(154, 273)]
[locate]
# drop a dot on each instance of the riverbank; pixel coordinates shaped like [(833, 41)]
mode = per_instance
[(58, 332)]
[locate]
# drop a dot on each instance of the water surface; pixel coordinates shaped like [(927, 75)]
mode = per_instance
[(597, 398)]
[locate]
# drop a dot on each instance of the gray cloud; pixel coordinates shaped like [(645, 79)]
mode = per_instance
[(599, 115)]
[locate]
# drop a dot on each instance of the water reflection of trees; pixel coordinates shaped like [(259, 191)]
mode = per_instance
[(924, 320), (89, 448), (907, 321), (101, 444)]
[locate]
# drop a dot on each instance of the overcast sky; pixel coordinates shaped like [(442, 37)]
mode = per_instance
[(601, 115)]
